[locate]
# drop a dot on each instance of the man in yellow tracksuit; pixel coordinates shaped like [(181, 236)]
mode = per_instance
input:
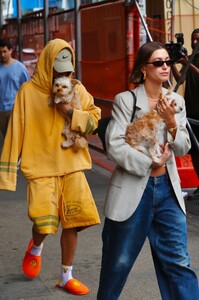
[(57, 188)]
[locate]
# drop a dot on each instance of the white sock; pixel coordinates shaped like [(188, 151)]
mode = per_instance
[(36, 250), (66, 274)]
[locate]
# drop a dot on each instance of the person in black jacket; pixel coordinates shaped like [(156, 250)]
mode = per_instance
[(191, 99)]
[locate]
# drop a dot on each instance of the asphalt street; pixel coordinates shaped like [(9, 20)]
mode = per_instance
[(15, 233)]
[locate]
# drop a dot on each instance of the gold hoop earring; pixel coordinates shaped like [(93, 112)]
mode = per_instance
[(144, 76)]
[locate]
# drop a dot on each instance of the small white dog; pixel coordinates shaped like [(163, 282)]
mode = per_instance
[(147, 133), (64, 90)]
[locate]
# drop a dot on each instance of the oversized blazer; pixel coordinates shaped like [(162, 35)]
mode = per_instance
[(129, 180)]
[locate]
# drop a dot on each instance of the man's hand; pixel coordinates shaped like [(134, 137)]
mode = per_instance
[(65, 110), (183, 60)]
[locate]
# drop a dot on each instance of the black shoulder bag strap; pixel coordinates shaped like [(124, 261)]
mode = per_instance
[(103, 123), (134, 105)]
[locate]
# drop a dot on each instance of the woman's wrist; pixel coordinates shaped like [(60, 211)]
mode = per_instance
[(172, 129), (155, 165)]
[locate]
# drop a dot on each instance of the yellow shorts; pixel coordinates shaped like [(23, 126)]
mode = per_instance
[(67, 198)]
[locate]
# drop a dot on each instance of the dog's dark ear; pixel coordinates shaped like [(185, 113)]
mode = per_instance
[(53, 80)]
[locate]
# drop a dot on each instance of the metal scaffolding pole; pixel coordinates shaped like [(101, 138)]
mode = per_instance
[(1, 17), (172, 17), (19, 16), (46, 29), (134, 2), (78, 53)]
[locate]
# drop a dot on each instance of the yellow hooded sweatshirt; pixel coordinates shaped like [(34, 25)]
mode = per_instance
[(34, 130)]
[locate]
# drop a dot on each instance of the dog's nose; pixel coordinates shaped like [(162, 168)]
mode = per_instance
[(58, 90)]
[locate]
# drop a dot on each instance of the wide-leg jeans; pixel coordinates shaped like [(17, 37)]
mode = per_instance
[(160, 218)]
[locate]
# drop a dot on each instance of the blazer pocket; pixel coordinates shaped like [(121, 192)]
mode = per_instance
[(117, 177)]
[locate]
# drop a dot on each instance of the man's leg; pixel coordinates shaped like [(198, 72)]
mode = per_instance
[(4, 119), (37, 237), (68, 247), (32, 261)]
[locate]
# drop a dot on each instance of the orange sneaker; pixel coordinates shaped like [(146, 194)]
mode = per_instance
[(75, 287), (31, 263)]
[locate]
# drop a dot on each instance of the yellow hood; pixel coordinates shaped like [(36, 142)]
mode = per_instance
[(43, 74)]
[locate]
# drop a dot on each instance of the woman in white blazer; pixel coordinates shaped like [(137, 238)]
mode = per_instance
[(144, 198)]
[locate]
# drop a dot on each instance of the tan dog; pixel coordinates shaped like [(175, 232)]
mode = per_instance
[(147, 133), (64, 90)]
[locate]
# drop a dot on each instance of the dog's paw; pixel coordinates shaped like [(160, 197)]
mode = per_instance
[(66, 144), (80, 142)]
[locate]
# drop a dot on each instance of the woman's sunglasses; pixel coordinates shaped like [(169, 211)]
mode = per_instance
[(160, 63)]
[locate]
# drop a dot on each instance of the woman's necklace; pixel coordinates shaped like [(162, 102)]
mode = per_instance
[(153, 100)]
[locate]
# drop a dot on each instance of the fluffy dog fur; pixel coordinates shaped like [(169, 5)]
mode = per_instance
[(147, 133), (64, 90)]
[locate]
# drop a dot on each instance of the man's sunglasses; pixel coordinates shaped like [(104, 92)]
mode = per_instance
[(160, 63)]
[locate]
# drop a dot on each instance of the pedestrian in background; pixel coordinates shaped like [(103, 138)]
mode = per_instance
[(144, 198), (191, 99), (57, 187), (12, 74)]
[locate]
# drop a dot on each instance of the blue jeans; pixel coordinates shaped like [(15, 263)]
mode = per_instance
[(160, 218)]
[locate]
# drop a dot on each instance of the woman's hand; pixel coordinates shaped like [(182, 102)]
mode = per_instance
[(65, 110), (165, 156), (166, 110)]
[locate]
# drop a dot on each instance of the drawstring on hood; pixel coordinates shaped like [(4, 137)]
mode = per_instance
[(54, 119)]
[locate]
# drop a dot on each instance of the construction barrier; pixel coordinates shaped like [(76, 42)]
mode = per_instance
[(186, 172)]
